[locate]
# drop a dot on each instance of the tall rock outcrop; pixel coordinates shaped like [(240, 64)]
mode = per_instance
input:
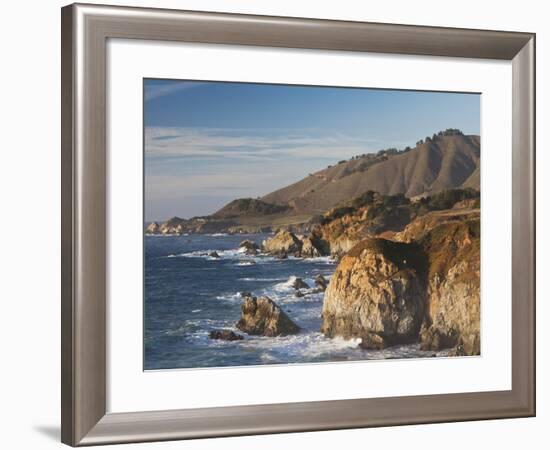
[(453, 302), (377, 293), (423, 291)]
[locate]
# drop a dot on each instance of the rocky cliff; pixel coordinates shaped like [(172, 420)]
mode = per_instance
[(446, 160), (453, 291), (426, 291), (377, 293), (392, 217)]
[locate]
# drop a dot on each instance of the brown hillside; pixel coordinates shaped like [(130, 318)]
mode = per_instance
[(445, 162)]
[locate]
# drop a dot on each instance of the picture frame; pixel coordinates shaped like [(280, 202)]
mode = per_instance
[(85, 31)]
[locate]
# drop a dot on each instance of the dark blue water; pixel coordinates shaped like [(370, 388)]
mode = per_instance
[(188, 294)]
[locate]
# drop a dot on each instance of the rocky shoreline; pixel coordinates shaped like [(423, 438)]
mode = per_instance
[(407, 274)]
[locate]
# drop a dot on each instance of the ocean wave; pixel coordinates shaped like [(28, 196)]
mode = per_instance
[(287, 285), (231, 254), (233, 298), (246, 263), (323, 259), (260, 279), (300, 347)]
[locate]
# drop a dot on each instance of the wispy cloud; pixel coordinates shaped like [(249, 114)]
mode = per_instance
[(153, 91), (162, 142), (193, 171), (237, 182)]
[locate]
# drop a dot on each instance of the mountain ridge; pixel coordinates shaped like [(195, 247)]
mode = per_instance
[(447, 160), (435, 164)]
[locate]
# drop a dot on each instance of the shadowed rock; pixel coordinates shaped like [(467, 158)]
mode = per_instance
[(261, 316), (321, 282), (377, 293), (310, 248), (225, 335), (251, 248), (453, 302), (300, 284)]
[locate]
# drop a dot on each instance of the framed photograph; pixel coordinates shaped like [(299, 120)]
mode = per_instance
[(280, 224)]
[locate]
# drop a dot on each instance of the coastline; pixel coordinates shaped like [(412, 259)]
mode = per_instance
[(190, 327)]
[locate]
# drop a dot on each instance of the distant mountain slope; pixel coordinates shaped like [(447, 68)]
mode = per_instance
[(447, 160), (441, 162), (249, 207)]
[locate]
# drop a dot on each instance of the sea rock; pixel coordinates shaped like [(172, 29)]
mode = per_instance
[(153, 228), (377, 293), (282, 243), (299, 294), (214, 254), (310, 249), (453, 300), (175, 225), (300, 284), (225, 335), (251, 248), (321, 282), (262, 316)]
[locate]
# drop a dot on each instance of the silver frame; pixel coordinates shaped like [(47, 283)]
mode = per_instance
[(85, 30)]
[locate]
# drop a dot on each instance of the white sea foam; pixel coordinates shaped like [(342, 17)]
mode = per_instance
[(260, 279), (302, 346), (232, 254), (246, 263), (286, 286), (323, 259), (233, 298)]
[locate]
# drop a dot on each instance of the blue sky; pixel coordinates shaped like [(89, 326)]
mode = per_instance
[(207, 143)]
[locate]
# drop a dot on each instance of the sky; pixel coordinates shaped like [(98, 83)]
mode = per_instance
[(207, 143)]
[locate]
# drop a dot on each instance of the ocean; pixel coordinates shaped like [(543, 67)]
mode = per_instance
[(189, 293)]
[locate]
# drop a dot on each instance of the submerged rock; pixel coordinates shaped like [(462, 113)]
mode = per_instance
[(246, 262), (377, 293), (251, 248), (283, 243), (225, 335), (261, 316), (214, 255)]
